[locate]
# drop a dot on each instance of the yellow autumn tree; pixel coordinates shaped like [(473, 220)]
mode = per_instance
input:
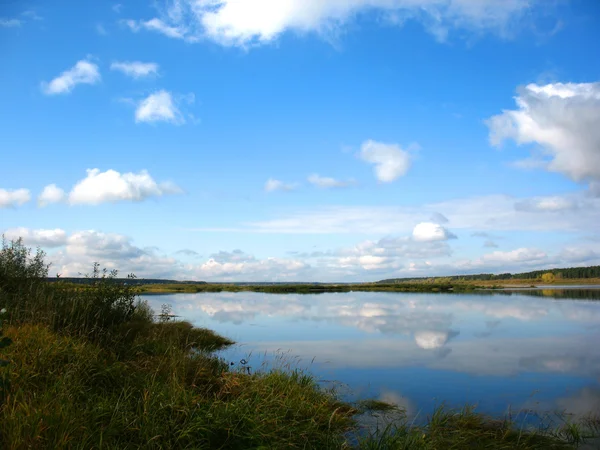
[(548, 277)]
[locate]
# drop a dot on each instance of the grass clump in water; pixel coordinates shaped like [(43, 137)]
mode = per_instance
[(467, 429)]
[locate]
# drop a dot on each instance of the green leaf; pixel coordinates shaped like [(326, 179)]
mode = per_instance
[(4, 363)]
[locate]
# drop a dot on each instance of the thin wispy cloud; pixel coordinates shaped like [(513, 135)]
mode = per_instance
[(10, 23), (135, 69), (273, 185), (328, 182)]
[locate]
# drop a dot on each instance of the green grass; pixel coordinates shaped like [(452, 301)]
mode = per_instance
[(69, 393)]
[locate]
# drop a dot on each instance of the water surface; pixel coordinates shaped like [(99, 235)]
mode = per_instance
[(537, 349)]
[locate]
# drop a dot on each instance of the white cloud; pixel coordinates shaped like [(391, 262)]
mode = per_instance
[(520, 255), (429, 232), (236, 256), (117, 8), (112, 186), (38, 238), (328, 183), (32, 14), (274, 269), (83, 72), (135, 69), (387, 255), (578, 254), (244, 23), (13, 197), (51, 194), (157, 26), (430, 340), (391, 162), (159, 107), (483, 213), (113, 251), (547, 204), (273, 185), (10, 23), (563, 119)]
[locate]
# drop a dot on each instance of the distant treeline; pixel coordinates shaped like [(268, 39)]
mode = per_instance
[(567, 273), (128, 281)]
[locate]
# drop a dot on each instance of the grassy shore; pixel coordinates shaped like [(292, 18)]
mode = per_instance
[(94, 367), (307, 288), (423, 286)]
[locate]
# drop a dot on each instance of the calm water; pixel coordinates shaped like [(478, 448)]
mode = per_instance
[(526, 349)]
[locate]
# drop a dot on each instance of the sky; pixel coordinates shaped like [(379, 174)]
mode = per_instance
[(301, 140)]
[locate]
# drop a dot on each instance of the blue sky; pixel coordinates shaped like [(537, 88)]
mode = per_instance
[(302, 140)]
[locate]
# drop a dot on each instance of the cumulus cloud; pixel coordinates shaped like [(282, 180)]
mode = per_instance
[(10, 198), (74, 254), (83, 72), (38, 238), (251, 269), (391, 162), (428, 232), (244, 23), (51, 194), (135, 69), (385, 256), (273, 185), (563, 119), (111, 186), (328, 183), (159, 107)]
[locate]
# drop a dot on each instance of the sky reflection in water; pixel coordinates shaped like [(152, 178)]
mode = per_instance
[(523, 350)]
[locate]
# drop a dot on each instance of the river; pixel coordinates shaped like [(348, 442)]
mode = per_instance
[(521, 350)]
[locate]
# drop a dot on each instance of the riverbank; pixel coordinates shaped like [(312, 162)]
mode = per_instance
[(67, 392), (317, 288), (306, 288)]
